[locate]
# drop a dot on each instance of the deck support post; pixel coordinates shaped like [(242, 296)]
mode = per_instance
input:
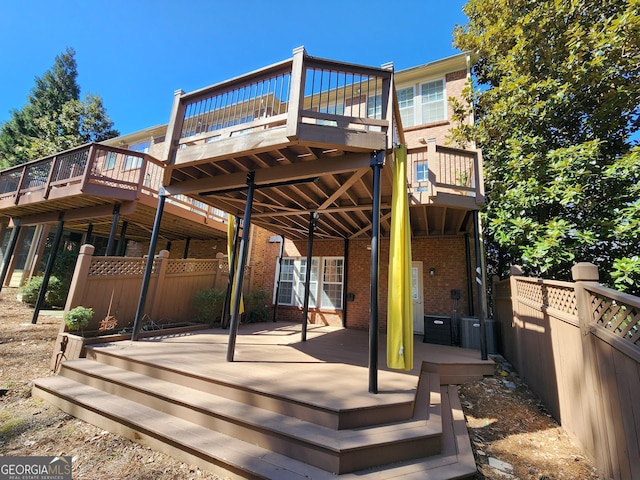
[(277, 296), (11, 248), (345, 280), (88, 234), (226, 314), (313, 223), (377, 162), (185, 254), (137, 322), (239, 275), (114, 229), (49, 268), (122, 243), (480, 286)]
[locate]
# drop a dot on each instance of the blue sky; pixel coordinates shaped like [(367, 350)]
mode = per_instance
[(136, 53)]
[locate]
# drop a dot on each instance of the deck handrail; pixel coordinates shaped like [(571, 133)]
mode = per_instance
[(93, 165), (440, 169), (303, 89)]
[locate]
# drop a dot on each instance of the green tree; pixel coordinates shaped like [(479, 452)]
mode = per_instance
[(557, 105), (54, 118)]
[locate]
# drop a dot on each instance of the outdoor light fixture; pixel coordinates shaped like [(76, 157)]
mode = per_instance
[(432, 271)]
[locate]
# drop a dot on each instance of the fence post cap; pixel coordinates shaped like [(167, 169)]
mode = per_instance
[(163, 254), (585, 272), (516, 271), (87, 249)]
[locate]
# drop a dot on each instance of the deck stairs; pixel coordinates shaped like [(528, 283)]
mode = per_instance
[(240, 432)]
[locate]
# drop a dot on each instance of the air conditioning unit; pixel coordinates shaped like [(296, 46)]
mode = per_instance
[(470, 333), (437, 329)]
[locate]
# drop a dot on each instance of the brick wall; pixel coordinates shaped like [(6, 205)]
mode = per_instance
[(455, 83), (445, 254)]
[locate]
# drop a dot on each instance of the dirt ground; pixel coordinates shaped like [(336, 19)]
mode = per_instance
[(512, 435)]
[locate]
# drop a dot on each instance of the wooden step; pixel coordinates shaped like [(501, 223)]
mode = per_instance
[(267, 396), (234, 458), (179, 438), (459, 373), (333, 450)]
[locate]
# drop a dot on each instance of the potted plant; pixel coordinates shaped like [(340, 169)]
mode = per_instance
[(78, 318)]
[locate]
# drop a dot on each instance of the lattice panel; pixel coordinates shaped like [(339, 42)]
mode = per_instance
[(620, 319), (555, 296), (119, 266), (192, 266), (562, 298)]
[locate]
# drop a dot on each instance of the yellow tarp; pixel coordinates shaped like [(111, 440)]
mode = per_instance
[(230, 233), (400, 304)]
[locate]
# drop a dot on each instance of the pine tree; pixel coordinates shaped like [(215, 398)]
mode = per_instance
[(54, 118)]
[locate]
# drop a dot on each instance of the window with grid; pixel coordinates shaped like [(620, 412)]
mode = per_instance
[(135, 162), (287, 280), (326, 286), (313, 282), (110, 162), (422, 172), (434, 108), (332, 277), (405, 102), (374, 107)]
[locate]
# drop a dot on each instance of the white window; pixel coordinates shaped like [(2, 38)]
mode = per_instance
[(110, 162), (405, 102), (313, 282), (332, 277), (334, 109), (326, 287), (374, 107), (434, 107), (422, 172), (287, 281), (133, 161)]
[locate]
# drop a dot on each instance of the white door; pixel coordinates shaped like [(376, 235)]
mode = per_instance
[(418, 297)]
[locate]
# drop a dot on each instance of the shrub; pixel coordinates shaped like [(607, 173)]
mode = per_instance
[(255, 306), (54, 297), (208, 305), (78, 318)]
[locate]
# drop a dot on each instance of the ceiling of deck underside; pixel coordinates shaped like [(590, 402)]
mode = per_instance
[(82, 210), (343, 196)]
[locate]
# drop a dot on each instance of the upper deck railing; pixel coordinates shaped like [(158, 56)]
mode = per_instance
[(93, 169), (286, 96), (437, 169)]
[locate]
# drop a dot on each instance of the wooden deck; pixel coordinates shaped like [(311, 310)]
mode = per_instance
[(283, 408)]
